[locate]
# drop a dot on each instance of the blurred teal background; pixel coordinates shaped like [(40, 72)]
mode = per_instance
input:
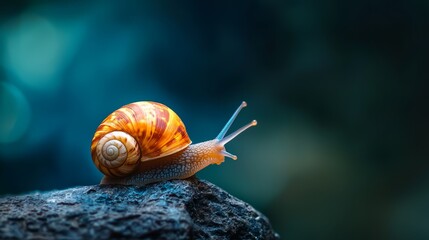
[(339, 89)]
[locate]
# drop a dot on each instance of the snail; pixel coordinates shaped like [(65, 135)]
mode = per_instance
[(146, 142)]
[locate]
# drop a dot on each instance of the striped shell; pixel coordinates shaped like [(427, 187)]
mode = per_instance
[(135, 133)]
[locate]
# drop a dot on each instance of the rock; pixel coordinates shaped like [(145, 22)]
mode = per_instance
[(177, 209)]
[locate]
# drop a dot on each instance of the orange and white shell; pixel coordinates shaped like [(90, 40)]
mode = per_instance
[(135, 133)]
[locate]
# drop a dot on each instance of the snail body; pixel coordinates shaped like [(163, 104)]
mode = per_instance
[(145, 142)]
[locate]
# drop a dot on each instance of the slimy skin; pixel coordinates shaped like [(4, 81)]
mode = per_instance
[(181, 165)]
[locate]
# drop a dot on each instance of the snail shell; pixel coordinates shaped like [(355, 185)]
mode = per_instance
[(137, 132)]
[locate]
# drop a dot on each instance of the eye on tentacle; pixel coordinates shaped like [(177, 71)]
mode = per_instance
[(222, 140)]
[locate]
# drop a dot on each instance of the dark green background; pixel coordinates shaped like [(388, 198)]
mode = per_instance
[(339, 89)]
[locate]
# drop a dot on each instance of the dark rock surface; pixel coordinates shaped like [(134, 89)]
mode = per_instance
[(178, 209)]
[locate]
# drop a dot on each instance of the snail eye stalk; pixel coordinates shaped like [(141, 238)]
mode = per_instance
[(230, 121), (236, 133), (222, 140)]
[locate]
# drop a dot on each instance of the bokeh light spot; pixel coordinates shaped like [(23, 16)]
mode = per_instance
[(14, 113), (34, 52)]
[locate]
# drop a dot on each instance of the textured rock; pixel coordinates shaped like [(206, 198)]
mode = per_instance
[(178, 209)]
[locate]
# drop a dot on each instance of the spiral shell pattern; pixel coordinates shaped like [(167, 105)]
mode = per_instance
[(135, 133), (117, 154)]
